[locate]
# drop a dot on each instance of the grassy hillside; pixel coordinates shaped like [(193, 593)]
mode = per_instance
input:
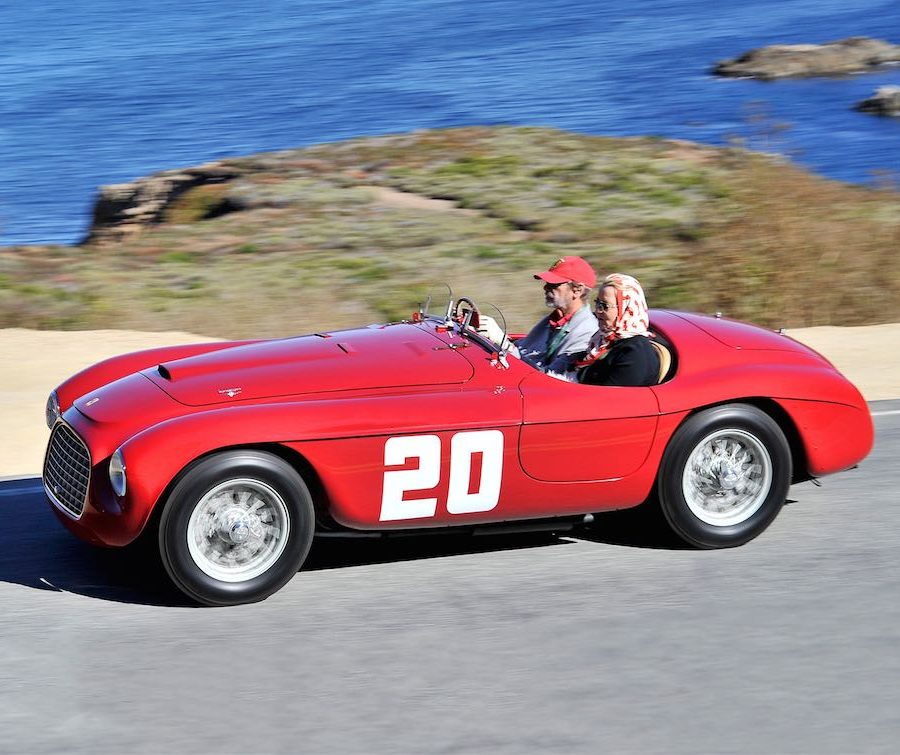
[(347, 233)]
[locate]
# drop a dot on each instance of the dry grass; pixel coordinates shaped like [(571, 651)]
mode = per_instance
[(796, 249), (313, 245)]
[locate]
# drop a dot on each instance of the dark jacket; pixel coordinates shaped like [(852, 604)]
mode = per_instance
[(630, 361)]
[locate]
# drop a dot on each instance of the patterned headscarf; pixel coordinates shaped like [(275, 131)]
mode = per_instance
[(632, 316)]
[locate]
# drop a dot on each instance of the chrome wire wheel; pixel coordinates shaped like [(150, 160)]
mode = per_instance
[(238, 530), (727, 477)]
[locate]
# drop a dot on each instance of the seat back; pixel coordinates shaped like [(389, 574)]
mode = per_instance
[(665, 360)]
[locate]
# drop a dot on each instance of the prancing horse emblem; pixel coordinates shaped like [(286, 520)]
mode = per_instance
[(230, 392)]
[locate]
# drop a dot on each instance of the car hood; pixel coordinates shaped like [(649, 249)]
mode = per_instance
[(390, 356)]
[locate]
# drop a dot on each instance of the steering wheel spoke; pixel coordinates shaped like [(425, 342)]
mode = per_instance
[(467, 318)]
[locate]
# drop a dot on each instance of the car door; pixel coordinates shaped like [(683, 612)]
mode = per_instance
[(582, 433)]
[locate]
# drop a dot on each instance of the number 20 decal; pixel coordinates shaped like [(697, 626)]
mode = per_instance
[(427, 449)]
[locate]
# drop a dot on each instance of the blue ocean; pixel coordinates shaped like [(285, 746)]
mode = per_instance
[(100, 91)]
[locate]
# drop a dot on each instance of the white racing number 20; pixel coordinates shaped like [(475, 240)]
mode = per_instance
[(427, 449)]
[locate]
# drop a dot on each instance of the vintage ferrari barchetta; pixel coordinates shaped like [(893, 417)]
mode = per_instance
[(233, 455)]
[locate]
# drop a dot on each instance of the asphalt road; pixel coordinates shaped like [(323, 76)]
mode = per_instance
[(617, 641)]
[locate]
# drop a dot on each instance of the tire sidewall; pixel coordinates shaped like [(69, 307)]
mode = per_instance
[(683, 521), (200, 478)]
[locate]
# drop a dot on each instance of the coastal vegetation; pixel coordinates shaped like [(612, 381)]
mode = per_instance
[(346, 233)]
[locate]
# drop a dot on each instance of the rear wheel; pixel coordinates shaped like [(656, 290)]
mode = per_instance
[(236, 527), (725, 476)]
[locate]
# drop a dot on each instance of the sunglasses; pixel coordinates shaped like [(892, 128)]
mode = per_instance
[(603, 305)]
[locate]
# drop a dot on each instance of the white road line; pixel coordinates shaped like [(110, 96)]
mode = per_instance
[(885, 414)]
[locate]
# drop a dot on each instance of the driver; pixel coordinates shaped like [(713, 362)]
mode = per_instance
[(567, 330)]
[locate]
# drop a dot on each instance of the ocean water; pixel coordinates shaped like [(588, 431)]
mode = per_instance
[(99, 91)]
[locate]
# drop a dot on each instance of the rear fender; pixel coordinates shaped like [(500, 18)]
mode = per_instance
[(805, 380), (834, 436)]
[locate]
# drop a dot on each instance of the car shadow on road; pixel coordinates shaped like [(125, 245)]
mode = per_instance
[(640, 527), (634, 528), (340, 553), (36, 551)]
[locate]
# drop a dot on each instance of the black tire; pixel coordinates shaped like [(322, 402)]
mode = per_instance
[(724, 476), (222, 530)]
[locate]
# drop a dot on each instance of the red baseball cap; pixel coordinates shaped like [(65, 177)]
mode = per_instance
[(575, 269)]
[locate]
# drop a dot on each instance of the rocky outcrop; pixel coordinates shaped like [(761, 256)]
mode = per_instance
[(842, 57), (122, 210), (885, 101)]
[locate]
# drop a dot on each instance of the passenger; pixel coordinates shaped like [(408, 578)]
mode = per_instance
[(566, 331), (620, 352)]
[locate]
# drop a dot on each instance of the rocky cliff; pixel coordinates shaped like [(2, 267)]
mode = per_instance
[(124, 209)]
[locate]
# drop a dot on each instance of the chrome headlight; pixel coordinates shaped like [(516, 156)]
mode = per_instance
[(52, 410), (117, 473)]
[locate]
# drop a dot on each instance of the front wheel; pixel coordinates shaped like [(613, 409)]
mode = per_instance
[(236, 527), (724, 476)]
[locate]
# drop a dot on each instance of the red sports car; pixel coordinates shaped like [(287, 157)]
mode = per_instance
[(234, 455)]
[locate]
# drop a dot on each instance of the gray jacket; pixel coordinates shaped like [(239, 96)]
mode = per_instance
[(551, 349)]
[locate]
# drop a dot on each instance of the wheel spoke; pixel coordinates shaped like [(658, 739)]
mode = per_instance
[(727, 477), (238, 530)]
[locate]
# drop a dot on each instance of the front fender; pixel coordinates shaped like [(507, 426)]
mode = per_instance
[(154, 457)]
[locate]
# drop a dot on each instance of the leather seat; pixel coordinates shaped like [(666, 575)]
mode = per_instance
[(665, 360)]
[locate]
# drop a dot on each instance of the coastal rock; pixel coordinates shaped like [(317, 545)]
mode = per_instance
[(841, 57), (122, 210), (885, 101)]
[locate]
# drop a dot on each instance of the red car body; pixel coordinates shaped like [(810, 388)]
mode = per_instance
[(417, 425)]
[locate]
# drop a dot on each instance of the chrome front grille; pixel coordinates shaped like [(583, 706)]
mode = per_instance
[(67, 470)]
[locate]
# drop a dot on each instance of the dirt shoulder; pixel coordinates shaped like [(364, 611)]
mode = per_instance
[(33, 362)]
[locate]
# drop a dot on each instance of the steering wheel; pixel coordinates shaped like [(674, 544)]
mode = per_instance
[(459, 315)]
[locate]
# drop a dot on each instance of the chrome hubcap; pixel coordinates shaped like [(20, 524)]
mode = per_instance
[(727, 477), (238, 530)]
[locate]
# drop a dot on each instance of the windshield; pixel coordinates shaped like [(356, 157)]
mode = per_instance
[(437, 301)]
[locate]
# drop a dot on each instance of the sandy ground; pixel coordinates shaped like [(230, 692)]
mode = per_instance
[(32, 363)]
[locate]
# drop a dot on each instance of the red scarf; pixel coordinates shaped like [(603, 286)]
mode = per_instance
[(558, 319)]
